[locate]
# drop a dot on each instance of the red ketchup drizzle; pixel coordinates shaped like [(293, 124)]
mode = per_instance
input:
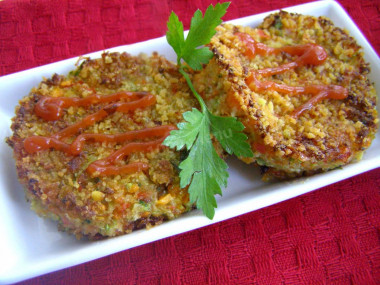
[(49, 109), (308, 54)]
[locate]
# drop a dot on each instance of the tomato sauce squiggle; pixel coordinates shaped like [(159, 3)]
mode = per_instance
[(51, 109), (308, 54)]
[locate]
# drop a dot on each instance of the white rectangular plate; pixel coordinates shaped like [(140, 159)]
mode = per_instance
[(32, 246)]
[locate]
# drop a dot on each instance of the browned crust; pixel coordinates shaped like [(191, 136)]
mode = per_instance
[(345, 128), (57, 185)]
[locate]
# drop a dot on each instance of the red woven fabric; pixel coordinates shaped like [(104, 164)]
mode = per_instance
[(329, 236)]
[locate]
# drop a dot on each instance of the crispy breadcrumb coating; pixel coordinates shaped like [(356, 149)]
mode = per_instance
[(58, 185), (331, 134)]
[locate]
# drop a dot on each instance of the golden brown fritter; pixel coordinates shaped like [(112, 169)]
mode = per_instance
[(58, 183), (287, 140)]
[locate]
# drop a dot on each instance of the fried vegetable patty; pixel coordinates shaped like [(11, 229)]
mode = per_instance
[(299, 85), (88, 145)]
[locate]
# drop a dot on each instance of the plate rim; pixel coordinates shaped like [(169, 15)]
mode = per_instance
[(117, 244)]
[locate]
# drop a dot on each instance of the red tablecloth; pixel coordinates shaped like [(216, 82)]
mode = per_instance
[(329, 236)]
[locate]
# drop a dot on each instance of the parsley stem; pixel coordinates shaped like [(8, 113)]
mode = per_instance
[(199, 98)]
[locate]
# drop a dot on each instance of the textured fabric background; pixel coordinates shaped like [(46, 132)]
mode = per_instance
[(329, 236)]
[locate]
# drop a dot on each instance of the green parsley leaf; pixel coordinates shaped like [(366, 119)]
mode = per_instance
[(198, 57), (203, 170), (227, 131), (201, 31), (174, 35), (203, 157), (187, 132)]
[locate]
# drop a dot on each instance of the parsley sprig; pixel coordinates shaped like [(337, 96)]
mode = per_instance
[(203, 170)]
